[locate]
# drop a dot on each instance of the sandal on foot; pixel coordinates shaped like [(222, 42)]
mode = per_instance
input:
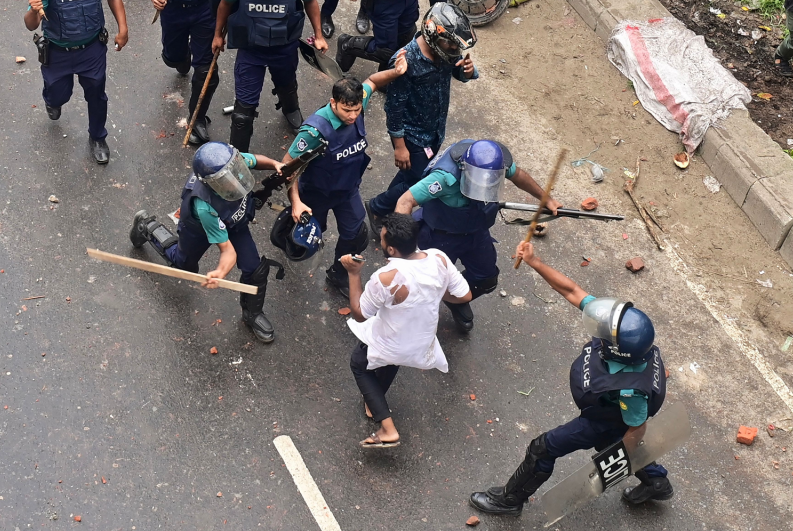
[(378, 443)]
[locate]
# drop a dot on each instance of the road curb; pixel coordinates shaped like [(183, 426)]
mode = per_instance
[(751, 167)]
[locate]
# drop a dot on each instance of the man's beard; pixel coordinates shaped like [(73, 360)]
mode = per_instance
[(385, 252)]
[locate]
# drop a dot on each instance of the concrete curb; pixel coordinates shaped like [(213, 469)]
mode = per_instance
[(751, 167)]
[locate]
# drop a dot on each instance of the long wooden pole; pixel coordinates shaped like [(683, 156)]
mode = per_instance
[(201, 96), (546, 194), (167, 271)]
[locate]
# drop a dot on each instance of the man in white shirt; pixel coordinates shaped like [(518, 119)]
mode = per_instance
[(396, 317)]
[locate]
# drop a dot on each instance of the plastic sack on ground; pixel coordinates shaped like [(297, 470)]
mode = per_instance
[(676, 77)]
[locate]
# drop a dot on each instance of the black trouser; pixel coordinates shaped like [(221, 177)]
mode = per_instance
[(372, 384)]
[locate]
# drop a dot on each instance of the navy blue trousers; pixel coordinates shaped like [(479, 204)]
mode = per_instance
[(252, 64), (390, 19), (188, 30), (584, 434), (347, 207), (385, 203), (193, 244), (475, 251), (90, 66), (329, 7)]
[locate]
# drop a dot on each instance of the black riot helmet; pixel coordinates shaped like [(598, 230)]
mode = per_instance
[(447, 31)]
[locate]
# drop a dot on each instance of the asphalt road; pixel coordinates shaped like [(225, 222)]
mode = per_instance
[(131, 423)]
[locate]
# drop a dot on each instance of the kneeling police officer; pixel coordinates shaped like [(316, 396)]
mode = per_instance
[(216, 209), (459, 194), (618, 382)]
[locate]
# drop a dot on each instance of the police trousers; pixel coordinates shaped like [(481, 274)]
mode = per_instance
[(373, 384), (193, 244), (252, 64), (475, 250), (188, 31), (390, 19), (347, 208)]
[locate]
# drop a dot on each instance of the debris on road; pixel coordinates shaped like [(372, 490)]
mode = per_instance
[(541, 230), (53, 199), (344, 311), (694, 366), (472, 396), (585, 263), (517, 301), (765, 283), (771, 429), (503, 293), (746, 435), (472, 521), (78, 518), (682, 160), (213, 350), (787, 343), (220, 494), (711, 184), (526, 393), (590, 203), (634, 265), (20, 59)]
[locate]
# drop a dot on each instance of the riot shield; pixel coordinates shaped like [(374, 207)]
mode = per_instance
[(665, 432), (320, 61)]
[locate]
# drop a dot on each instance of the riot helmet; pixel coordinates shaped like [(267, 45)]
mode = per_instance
[(299, 241), (627, 332), (222, 168), (447, 31), (483, 171)]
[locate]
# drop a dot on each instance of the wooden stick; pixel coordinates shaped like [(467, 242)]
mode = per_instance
[(628, 187), (36, 297), (201, 96), (168, 271), (544, 201)]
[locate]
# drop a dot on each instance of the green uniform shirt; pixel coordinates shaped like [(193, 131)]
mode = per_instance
[(64, 44), (309, 138), (208, 216), (440, 184), (632, 403)]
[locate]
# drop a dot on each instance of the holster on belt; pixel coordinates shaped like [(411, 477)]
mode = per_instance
[(43, 47)]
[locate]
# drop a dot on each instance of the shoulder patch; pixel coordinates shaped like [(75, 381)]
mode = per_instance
[(435, 187), (221, 225), (302, 144)]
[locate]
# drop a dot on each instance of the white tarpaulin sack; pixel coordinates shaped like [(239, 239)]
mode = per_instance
[(676, 77)]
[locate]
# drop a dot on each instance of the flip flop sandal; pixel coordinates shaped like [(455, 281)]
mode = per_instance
[(378, 443)]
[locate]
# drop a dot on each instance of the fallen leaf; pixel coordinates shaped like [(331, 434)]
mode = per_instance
[(764, 95), (472, 397), (767, 28), (745, 8), (344, 311), (213, 350), (721, 15), (635, 103)]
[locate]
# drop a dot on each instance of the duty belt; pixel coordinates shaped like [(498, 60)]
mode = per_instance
[(74, 48)]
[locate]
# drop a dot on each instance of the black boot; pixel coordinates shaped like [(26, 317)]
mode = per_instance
[(253, 305), (375, 221), (199, 135), (349, 47), (53, 112), (782, 66), (337, 276), (146, 228), (242, 126), (328, 28), (463, 316), (139, 234), (362, 23), (99, 150), (183, 67), (289, 104), (649, 489)]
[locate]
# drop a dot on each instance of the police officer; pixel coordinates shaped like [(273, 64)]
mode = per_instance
[(216, 209), (331, 182), (75, 42), (267, 35), (459, 194), (393, 26), (188, 27), (618, 382), (326, 16)]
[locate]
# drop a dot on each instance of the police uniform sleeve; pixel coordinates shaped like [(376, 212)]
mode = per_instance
[(250, 159), (213, 226), (367, 96), (633, 406), (307, 138), (434, 186), (511, 171), (586, 300)]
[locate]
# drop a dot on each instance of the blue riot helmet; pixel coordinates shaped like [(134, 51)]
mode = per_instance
[(483, 171), (628, 332), (222, 168), (299, 241)]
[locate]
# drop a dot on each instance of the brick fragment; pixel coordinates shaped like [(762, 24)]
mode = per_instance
[(590, 203), (473, 521), (746, 435), (635, 264)]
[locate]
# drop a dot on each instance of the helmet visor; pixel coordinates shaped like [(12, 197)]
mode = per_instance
[(482, 184), (233, 181), (602, 318)]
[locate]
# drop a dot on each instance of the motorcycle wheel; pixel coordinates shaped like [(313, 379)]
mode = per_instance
[(481, 12)]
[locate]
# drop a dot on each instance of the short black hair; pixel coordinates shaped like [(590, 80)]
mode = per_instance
[(401, 232), (348, 90)]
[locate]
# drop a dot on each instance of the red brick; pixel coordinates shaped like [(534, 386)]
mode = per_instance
[(635, 264), (590, 203), (746, 435), (473, 521)]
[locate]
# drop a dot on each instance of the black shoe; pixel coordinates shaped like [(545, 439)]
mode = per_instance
[(261, 326), (184, 67), (362, 23), (463, 316), (53, 112), (327, 26), (295, 119), (374, 220), (486, 504), (344, 59), (199, 135), (782, 67), (338, 279), (138, 234), (650, 489), (99, 150)]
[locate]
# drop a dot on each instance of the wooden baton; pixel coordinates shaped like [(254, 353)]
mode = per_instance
[(546, 194), (168, 271), (201, 96)]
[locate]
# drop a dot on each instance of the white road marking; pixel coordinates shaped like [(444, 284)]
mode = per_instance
[(734, 332), (305, 484)]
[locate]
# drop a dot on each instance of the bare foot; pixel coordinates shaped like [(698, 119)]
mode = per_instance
[(386, 434)]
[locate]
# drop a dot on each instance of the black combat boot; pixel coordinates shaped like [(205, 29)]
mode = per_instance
[(649, 489), (289, 104), (199, 135), (53, 112), (139, 233), (253, 314), (337, 277), (463, 315)]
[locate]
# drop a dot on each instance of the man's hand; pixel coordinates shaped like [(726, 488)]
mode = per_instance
[(320, 43), (211, 281), (298, 207), (218, 43), (279, 166), (402, 157), (401, 63), (121, 40), (159, 4), (36, 5), (553, 205), (352, 267), (468, 65), (525, 252)]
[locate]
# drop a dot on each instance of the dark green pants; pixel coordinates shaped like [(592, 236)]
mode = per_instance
[(785, 50)]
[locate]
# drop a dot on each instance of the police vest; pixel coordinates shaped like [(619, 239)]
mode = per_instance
[(266, 23), (591, 384), (474, 217), (231, 213), (344, 162), (74, 20)]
